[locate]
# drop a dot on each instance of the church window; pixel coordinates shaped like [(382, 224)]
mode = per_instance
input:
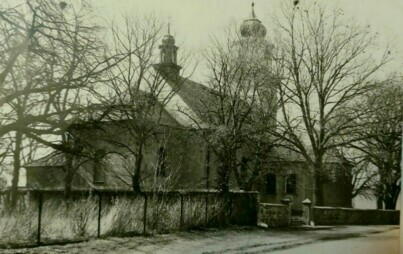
[(291, 184), (271, 184), (98, 171)]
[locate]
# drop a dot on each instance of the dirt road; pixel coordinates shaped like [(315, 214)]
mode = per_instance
[(234, 240)]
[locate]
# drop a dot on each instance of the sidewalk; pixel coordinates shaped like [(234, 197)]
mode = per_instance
[(232, 240)]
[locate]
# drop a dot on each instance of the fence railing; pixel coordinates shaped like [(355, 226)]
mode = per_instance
[(49, 219)]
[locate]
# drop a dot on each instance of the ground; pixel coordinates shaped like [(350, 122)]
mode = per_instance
[(385, 243), (370, 239)]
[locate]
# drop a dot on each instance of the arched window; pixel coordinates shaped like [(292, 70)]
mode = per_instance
[(98, 169), (291, 184)]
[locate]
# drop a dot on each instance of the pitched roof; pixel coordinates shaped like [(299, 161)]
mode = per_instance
[(192, 102), (53, 159), (197, 96), (43, 176)]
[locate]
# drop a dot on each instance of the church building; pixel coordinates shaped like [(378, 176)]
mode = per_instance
[(175, 157)]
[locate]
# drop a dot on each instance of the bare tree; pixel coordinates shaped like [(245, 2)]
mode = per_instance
[(234, 112), (360, 177), (324, 64), (134, 96), (379, 139), (4, 148), (51, 53)]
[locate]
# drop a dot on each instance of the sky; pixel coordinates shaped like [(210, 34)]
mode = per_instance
[(193, 22)]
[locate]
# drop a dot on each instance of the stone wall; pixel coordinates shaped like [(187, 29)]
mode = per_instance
[(349, 216), (274, 215)]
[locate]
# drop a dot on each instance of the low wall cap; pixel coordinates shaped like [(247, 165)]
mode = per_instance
[(286, 200)]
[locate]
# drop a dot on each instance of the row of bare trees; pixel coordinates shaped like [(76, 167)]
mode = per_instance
[(314, 90), (325, 70), (331, 100)]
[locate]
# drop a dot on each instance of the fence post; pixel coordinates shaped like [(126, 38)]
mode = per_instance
[(206, 210), (99, 213), (145, 214), (181, 218), (230, 207), (40, 203), (307, 212)]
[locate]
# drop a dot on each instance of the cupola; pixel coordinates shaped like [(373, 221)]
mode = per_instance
[(168, 66)]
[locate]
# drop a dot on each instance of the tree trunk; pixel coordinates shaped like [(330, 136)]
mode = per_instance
[(238, 179), (319, 190), (379, 203), (16, 172), (223, 178), (389, 203), (391, 196), (137, 172), (68, 177)]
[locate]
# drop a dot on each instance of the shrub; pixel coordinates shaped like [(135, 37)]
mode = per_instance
[(19, 227), (82, 213), (194, 212), (163, 213), (123, 216)]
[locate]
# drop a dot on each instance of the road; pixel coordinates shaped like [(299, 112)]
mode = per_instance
[(385, 243), (235, 240)]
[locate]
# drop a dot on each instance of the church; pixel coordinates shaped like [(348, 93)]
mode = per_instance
[(174, 157)]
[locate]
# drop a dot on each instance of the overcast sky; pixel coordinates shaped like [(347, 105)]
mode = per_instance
[(194, 21)]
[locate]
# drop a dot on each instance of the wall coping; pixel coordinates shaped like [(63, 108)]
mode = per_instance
[(127, 190), (274, 205), (351, 209), (245, 192)]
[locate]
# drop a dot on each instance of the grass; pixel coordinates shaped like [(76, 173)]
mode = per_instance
[(123, 216), (78, 219), (69, 221), (19, 227)]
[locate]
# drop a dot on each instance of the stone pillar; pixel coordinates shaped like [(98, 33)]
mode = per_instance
[(287, 202), (307, 211), (257, 206)]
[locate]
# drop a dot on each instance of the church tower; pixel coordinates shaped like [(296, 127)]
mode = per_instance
[(168, 66), (256, 50), (252, 26), (253, 34)]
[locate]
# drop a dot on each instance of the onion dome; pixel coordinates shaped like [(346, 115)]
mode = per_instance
[(168, 39), (253, 27)]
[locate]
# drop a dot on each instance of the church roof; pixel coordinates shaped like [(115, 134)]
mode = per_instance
[(197, 96)]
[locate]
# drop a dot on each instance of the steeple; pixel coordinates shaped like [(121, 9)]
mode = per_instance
[(252, 14), (168, 66)]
